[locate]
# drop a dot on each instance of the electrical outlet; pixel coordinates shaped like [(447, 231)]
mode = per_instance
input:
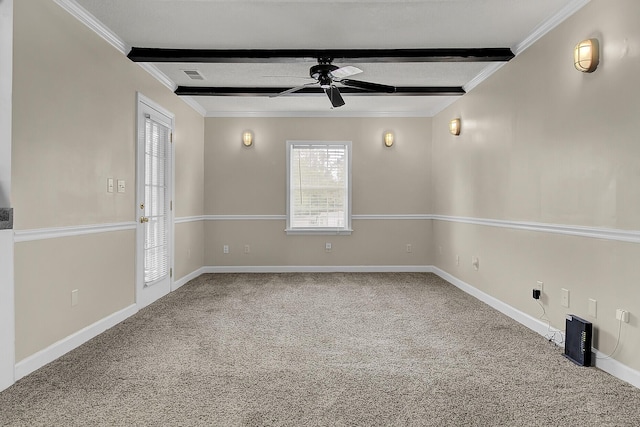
[(539, 285), (475, 261), (327, 247), (409, 248), (622, 315), (564, 297), (74, 297), (225, 249), (247, 249), (457, 259)]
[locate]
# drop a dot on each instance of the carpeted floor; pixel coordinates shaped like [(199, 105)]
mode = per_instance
[(319, 350)]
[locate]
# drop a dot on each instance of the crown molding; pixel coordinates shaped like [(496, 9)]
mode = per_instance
[(540, 31), (194, 104), (90, 21), (158, 75), (484, 74), (82, 15), (549, 24)]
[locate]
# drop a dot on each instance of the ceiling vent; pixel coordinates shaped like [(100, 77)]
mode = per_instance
[(194, 74)]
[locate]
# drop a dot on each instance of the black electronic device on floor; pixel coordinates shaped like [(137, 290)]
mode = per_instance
[(577, 341)]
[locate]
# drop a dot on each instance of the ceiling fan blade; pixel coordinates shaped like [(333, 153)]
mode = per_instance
[(293, 89), (346, 71), (374, 87), (334, 96)]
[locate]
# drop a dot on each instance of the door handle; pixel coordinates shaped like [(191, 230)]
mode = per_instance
[(143, 219)]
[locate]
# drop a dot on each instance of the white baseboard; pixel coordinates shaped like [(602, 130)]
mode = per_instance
[(611, 366), (617, 369), (530, 322), (58, 349), (181, 281), (320, 269)]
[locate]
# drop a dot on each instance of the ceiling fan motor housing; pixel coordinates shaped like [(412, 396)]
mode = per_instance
[(322, 73)]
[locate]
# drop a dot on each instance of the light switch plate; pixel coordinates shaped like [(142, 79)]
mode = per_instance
[(109, 185), (564, 297), (121, 186)]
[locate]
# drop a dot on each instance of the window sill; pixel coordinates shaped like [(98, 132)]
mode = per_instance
[(319, 231)]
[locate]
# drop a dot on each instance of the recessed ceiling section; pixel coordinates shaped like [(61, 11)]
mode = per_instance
[(294, 74), (468, 40)]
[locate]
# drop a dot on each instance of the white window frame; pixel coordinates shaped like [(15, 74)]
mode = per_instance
[(346, 230)]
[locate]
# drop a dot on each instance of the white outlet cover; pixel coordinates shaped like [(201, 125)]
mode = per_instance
[(622, 315)]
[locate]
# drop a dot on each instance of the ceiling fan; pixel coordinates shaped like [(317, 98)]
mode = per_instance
[(326, 74)]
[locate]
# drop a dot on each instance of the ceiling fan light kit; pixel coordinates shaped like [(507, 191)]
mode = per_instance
[(327, 74)]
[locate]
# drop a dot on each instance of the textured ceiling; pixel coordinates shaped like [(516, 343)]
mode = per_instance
[(320, 24)]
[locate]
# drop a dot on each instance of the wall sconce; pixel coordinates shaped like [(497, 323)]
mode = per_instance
[(454, 127), (247, 138), (586, 55), (388, 139)]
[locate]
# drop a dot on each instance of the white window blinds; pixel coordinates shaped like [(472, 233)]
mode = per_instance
[(319, 184), (156, 248)]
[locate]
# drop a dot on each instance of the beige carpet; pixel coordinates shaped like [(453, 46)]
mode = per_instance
[(319, 350)]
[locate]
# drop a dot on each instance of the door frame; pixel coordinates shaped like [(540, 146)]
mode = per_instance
[(147, 106), (7, 278)]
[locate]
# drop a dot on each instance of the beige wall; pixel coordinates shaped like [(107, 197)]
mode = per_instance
[(74, 117), (189, 248), (389, 181), (373, 243), (544, 143), (48, 270)]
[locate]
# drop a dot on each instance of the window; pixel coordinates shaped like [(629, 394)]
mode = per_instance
[(318, 187)]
